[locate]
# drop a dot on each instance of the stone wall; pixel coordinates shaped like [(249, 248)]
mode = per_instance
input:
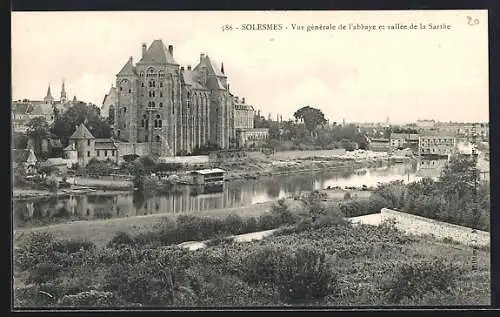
[(125, 148), (199, 159), (440, 230)]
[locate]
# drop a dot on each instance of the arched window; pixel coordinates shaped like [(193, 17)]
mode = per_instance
[(142, 123), (152, 104), (157, 138), (161, 94), (160, 105), (142, 75), (124, 109), (142, 84), (161, 84)]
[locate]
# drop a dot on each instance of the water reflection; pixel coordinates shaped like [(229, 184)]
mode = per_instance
[(189, 199)]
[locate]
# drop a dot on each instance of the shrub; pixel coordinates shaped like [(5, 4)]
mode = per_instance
[(413, 280), (121, 238), (300, 275)]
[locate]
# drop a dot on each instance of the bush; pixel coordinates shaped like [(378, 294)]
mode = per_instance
[(413, 280), (300, 275), (130, 157)]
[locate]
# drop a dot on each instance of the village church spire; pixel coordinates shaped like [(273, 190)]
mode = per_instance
[(48, 98), (63, 93)]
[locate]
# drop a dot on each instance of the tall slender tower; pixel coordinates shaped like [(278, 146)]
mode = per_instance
[(63, 93), (48, 98)]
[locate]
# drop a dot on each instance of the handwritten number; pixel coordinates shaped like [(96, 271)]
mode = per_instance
[(472, 21)]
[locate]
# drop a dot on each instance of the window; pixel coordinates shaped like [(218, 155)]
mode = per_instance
[(88, 153), (124, 109), (159, 123), (161, 84), (121, 88), (88, 142), (105, 152), (98, 153), (130, 90), (160, 105), (157, 138), (156, 123), (124, 125), (142, 84), (161, 94), (146, 138), (147, 124), (142, 123), (153, 104), (118, 132)]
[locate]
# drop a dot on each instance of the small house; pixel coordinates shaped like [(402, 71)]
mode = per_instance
[(213, 176), (26, 159)]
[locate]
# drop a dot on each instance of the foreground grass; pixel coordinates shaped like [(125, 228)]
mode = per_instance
[(332, 264)]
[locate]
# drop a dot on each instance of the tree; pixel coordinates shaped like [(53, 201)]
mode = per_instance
[(38, 130), (311, 117), (65, 124)]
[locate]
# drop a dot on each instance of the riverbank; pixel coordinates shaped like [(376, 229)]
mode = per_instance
[(253, 169), (34, 194), (101, 232)]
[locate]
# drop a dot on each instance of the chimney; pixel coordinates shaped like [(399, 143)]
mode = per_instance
[(202, 56), (144, 48), (171, 50), (243, 100), (182, 69), (189, 67), (130, 59)]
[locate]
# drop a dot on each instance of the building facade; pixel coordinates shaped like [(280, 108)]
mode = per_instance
[(88, 147), (436, 145), (380, 145), (404, 140), (171, 108)]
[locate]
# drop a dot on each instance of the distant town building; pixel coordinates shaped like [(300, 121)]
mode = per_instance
[(243, 114), (436, 145), (251, 138), (404, 140), (25, 158), (380, 145), (425, 123), (24, 110)]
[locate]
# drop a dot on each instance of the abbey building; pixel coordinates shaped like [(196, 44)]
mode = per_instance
[(171, 109)]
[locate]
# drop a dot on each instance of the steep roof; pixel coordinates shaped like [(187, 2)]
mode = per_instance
[(212, 66), (191, 78), (42, 110), (82, 132), (158, 54), (127, 69), (105, 144)]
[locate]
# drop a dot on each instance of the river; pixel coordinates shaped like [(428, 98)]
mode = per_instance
[(47, 211)]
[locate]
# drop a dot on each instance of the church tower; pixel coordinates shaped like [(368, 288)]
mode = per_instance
[(48, 98), (63, 93)]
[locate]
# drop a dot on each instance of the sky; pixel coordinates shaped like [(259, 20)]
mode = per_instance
[(363, 75)]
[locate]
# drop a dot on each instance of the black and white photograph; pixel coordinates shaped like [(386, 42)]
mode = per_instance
[(250, 159)]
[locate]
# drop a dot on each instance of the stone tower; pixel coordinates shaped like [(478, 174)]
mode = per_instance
[(84, 142)]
